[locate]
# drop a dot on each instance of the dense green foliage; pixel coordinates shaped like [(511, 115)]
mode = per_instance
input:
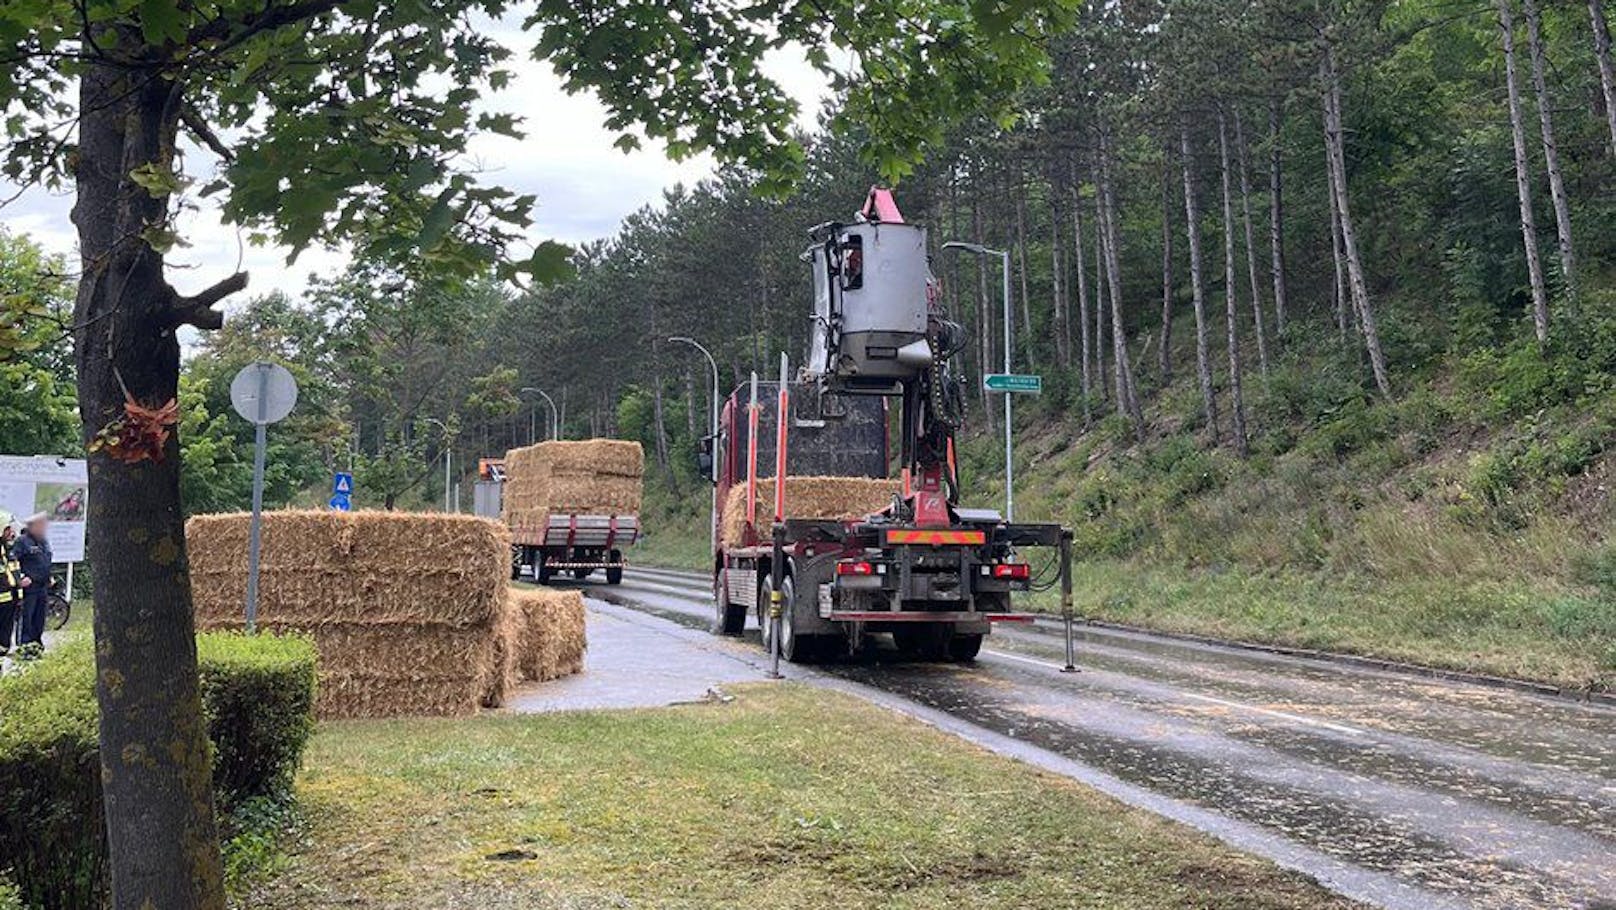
[(36, 391), (257, 695)]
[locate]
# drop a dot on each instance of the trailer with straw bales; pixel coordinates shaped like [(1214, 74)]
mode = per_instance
[(571, 506)]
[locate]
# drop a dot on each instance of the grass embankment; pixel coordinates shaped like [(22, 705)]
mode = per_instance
[(786, 797)]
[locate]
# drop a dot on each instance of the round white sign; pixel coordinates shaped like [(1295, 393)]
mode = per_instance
[(263, 392)]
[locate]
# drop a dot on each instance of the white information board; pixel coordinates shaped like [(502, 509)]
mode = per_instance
[(59, 487)]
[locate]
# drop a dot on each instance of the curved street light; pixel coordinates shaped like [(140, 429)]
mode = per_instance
[(684, 339), (555, 423)]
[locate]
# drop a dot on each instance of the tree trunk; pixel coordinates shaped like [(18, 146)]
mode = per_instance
[(1127, 395), (691, 406), (1063, 352), (1192, 231), (661, 426), (1551, 151), (1100, 292), (1356, 281), (1523, 176), (154, 752), (1167, 269), (1237, 404), (1028, 358), (1084, 341), (984, 309), (1251, 244), (1276, 212), (1337, 258), (1607, 71)]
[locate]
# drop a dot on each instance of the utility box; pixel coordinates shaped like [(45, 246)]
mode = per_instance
[(485, 499), (870, 306)]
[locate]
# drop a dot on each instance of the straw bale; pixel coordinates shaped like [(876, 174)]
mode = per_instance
[(406, 610), (592, 476), (549, 633), (324, 567), (840, 498)]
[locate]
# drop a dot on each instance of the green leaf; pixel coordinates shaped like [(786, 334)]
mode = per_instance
[(161, 21), (437, 221), (550, 262)]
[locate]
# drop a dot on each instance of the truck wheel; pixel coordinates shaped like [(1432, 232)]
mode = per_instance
[(614, 573), (794, 648), (516, 563), (728, 618), (962, 649)]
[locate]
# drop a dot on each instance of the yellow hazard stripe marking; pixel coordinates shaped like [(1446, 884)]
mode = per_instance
[(936, 538)]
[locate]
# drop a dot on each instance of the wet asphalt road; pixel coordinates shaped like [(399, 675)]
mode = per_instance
[(1396, 789)]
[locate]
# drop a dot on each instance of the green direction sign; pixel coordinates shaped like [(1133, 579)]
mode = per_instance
[(1013, 382)]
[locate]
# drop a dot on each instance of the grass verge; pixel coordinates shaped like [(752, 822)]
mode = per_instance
[(787, 796)]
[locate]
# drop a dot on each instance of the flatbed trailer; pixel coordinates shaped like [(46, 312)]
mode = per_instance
[(564, 542)]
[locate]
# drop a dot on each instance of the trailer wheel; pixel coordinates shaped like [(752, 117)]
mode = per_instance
[(614, 572), (516, 563), (728, 618), (962, 649), (541, 572), (794, 648)]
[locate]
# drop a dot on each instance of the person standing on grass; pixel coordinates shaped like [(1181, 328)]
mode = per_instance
[(11, 588), (33, 555)]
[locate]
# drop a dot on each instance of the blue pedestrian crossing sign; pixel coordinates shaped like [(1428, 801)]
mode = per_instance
[(342, 485), (340, 503)]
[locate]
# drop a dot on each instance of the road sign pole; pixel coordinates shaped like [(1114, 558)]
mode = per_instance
[(254, 536)]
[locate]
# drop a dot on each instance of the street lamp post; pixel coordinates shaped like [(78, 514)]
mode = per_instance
[(555, 422), (1009, 461), (712, 534), (448, 464)]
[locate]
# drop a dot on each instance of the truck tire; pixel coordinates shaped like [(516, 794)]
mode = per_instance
[(962, 649), (516, 563), (614, 573), (794, 648), (728, 618)]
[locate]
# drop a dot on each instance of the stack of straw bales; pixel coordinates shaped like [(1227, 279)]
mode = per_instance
[(411, 613), (839, 498), (592, 476)]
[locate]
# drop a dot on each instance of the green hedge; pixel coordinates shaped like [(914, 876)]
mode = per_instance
[(257, 694)]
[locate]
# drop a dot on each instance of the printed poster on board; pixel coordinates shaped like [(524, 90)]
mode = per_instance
[(59, 487)]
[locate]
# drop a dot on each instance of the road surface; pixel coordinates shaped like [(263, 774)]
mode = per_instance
[(1397, 789)]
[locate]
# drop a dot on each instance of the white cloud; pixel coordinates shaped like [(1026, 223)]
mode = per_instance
[(585, 186)]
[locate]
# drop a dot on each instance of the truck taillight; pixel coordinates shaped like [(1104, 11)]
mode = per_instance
[(855, 567), (1012, 571)]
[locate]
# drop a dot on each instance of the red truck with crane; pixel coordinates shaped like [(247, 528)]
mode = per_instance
[(933, 574)]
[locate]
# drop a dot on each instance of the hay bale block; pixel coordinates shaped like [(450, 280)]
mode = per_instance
[(838, 498), (405, 609), (591, 476), (549, 633)]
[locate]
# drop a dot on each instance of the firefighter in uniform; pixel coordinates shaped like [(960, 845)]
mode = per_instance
[(10, 587), (33, 555)]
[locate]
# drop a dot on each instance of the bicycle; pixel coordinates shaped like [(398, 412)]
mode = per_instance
[(58, 609)]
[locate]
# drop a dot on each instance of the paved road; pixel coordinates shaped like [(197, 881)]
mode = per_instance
[(1401, 790)]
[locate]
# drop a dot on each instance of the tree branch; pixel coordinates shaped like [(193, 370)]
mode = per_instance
[(204, 134), (198, 311)]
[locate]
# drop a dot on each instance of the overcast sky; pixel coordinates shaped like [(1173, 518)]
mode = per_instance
[(584, 186)]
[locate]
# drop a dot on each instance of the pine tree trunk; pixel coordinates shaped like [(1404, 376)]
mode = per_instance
[(1337, 258), (661, 427), (1100, 292), (1551, 150), (1523, 176), (1356, 282), (1057, 284), (1085, 353), (1127, 394), (1167, 270), (1027, 355), (1251, 244), (984, 309), (154, 755), (1237, 404), (1607, 70), (1276, 212), (1192, 231)]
